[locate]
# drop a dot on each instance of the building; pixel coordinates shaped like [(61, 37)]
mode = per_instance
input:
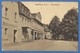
[(37, 25), (48, 33), (19, 24)]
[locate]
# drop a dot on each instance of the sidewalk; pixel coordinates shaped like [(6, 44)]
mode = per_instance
[(14, 44), (74, 43)]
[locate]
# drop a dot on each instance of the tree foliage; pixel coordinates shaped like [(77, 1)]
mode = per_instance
[(69, 25), (54, 24), (68, 28)]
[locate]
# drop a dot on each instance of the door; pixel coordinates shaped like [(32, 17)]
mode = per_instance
[(15, 35)]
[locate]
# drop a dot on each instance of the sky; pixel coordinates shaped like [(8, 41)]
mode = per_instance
[(49, 9)]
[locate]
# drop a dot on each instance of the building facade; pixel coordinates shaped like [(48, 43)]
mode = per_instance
[(19, 24), (48, 33)]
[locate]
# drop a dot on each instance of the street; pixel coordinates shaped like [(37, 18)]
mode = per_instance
[(43, 45)]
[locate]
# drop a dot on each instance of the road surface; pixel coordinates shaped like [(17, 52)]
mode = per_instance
[(43, 45)]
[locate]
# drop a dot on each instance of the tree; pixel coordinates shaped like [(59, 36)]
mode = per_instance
[(69, 25), (53, 26)]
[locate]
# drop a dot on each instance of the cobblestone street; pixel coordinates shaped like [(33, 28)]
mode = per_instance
[(43, 45)]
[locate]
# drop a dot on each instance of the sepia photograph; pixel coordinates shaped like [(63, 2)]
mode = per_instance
[(39, 26)]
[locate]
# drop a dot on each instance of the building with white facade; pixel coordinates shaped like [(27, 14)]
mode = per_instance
[(19, 24)]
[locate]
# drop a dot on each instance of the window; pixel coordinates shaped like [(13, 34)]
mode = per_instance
[(22, 19), (6, 9), (25, 19), (5, 31), (25, 10), (15, 15), (22, 8)]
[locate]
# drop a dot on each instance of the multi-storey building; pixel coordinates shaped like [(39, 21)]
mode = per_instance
[(19, 24), (48, 33), (37, 25)]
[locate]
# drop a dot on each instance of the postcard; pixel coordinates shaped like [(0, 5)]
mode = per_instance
[(39, 26)]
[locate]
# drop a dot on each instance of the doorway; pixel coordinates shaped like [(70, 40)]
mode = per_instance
[(15, 35)]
